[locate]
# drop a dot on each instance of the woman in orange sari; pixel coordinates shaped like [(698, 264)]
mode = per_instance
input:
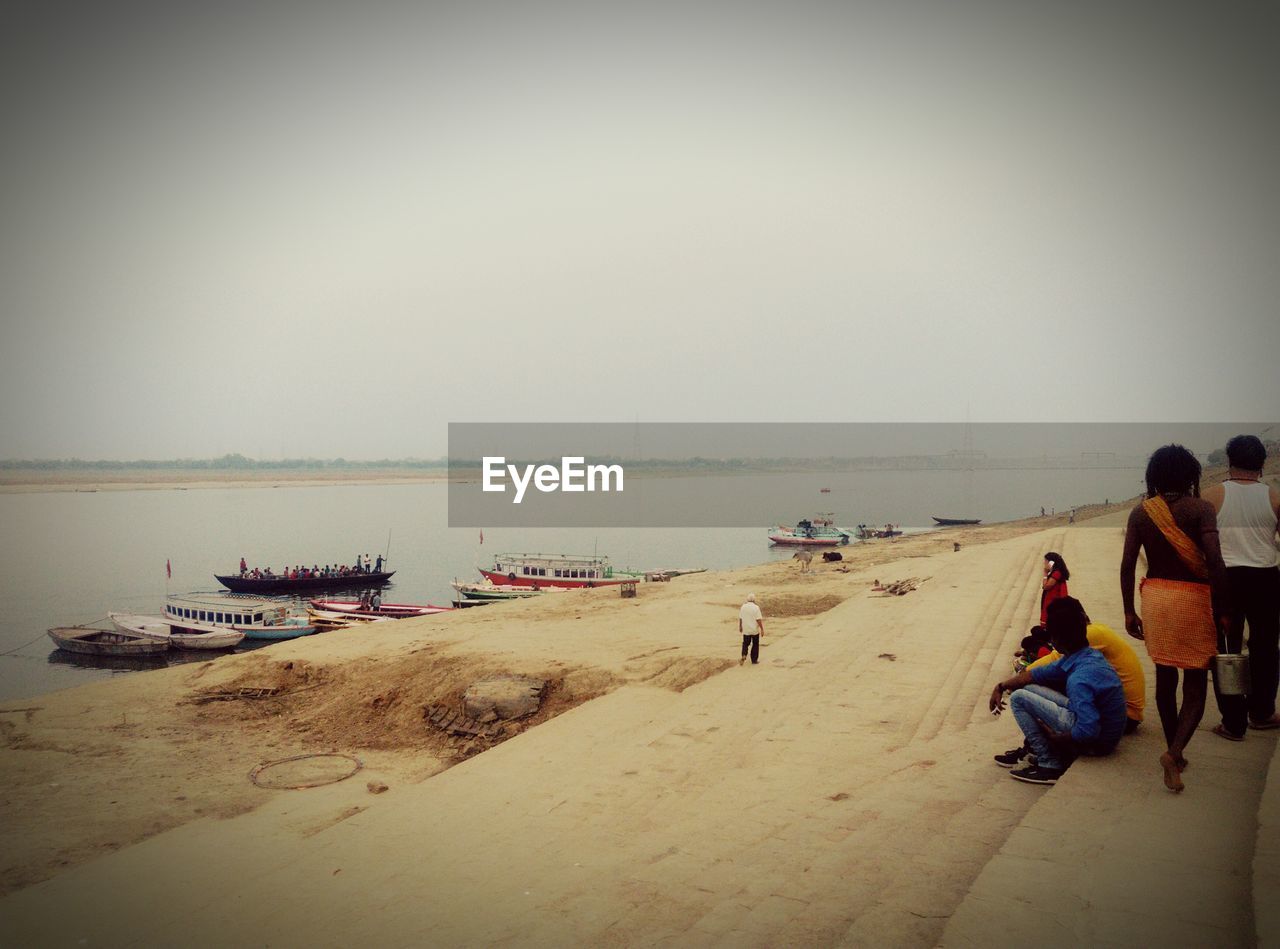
[(1183, 596)]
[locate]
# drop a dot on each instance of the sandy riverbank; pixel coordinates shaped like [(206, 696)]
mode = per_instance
[(138, 763)]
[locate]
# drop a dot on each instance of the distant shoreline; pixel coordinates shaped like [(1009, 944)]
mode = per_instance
[(37, 481)]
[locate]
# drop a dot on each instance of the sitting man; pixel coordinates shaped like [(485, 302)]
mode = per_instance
[(1124, 660), (1074, 706)]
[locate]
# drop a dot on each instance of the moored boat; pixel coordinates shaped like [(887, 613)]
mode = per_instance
[(383, 611), (311, 583), (870, 533), (256, 617), (89, 641), (155, 627), (560, 570), (956, 521), (490, 592), (818, 531), (327, 620)]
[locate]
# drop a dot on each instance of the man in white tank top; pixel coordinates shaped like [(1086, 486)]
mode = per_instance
[(1248, 514)]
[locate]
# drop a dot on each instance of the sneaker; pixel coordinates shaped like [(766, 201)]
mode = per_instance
[(1012, 757), (1034, 774)]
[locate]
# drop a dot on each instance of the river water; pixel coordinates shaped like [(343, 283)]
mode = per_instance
[(69, 557)]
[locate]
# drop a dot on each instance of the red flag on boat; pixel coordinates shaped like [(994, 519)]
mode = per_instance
[(168, 571)]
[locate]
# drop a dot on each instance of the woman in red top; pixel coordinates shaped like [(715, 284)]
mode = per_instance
[(1054, 586)]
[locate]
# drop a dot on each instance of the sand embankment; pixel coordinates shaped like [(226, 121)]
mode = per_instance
[(841, 791)]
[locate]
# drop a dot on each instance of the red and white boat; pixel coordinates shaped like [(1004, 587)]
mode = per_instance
[(556, 570), (384, 611)]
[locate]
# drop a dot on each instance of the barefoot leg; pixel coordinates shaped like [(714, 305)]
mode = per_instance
[(1172, 777)]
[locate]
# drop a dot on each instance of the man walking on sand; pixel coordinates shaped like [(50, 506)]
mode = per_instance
[(1248, 521), (751, 626)]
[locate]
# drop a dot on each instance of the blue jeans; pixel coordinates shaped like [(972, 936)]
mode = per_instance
[(1034, 705)]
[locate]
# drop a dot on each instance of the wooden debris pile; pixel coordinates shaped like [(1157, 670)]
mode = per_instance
[(898, 587)]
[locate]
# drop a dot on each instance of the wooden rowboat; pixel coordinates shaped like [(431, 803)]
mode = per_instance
[(956, 521), (105, 642), (153, 627), (385, 611)]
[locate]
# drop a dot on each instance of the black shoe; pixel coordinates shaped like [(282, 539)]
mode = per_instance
[(1012, 757), (1034, 774)]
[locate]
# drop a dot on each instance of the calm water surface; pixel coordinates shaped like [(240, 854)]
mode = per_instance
[(69, 557)]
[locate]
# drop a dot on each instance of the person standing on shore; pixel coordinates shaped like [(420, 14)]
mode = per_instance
[(1248, 518), (1183, 596), (1054, 585), (751, 626)]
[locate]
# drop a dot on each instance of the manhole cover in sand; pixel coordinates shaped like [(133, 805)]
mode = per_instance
[(304, 771)]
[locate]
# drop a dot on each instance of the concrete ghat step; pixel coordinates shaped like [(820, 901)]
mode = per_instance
[(1110, 857)]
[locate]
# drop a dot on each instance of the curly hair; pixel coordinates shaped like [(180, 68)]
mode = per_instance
[(1173, 469)]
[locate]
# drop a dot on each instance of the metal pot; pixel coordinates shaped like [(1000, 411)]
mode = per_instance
[(1231, 673)]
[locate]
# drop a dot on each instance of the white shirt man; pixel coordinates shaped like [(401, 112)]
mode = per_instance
[(751, 626)]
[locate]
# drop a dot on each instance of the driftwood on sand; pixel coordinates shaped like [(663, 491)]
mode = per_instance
[(898, 587)]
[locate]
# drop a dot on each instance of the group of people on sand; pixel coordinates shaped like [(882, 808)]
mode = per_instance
[(298, 571), (1211, 573)]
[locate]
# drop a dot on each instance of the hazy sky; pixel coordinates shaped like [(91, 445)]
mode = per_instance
[(322, 229)]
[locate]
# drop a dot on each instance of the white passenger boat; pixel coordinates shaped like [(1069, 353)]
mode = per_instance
[(556, 570), (255, 616), (153, 627)]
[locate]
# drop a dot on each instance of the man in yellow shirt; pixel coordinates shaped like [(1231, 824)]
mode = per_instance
[(1124, 660)]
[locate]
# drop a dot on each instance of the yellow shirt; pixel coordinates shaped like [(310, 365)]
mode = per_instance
[(1122, 658)]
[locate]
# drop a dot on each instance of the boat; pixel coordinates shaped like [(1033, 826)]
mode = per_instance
[(872, 533), (560, 570), (824, 490), (820, 531), (257, 617), (385, 611), (311, 583), (91, 641), (326, 620), (956, 521), (490, 592), (155, 627)]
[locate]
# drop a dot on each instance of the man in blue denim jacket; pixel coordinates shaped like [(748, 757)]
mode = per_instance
[(1071, 707)]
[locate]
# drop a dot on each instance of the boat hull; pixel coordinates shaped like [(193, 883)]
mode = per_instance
[(543, 583), (276, 633), (956, 521), (238, 584), (154, 627), (105, 642), (386, 611), (796, 540)]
